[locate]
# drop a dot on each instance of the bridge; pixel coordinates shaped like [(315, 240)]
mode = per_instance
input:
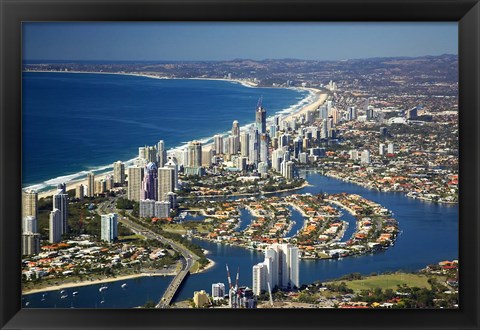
[(188, 260)]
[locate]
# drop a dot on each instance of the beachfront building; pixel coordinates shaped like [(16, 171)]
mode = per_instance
[(161, 153), (150, 182), (166, 182), (235, 144), (80, 191), (60, 202), (118, 173), (194, 161), (29, 204), (172, 163), (90, 184), (135, 177), (109, 224), (55, 226), (218, 144)]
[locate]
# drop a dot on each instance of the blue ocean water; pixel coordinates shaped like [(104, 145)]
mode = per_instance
[(79, 122)]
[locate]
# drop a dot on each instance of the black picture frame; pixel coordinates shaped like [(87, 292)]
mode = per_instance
[(14, 12)]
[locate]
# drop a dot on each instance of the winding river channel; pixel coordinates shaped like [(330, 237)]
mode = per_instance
[(429, 234)]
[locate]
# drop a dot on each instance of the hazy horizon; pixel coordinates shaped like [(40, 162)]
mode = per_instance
[(222, 41)]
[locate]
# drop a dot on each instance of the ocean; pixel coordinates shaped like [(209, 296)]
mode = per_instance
[(74, 123)]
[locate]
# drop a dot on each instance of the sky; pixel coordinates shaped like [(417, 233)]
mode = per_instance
[(212, 41)]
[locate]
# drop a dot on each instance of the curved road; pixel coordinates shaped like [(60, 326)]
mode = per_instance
[(187, 262)]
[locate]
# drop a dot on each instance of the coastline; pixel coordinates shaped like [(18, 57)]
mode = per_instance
[(320, 98)]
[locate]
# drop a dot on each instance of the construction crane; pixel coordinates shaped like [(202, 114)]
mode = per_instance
[(233, 291), (259, 104), (270, 293)]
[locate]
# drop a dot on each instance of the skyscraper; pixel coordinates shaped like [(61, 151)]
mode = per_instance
[(118, 173), (55, 226), (109, 227), (218, 291), (195, 154), (279, 268), (30, 243), (264, 148), (166, 184), (244, 137), (91, 184), (80, 191), (261, 119), (218, 143), (365, 158), (135, 177), (29, 224), (172, 163), (60, 202), (235, 145), (150, 182), (161, 153), (29, 201)]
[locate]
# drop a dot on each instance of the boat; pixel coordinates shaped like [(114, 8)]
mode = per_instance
[(64, 296), (124, 285), (61, 292), (27, 303), (75, 293), (103, 288)]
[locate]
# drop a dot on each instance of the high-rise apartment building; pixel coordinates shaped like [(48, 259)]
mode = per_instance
[(150, 182), (90, 184), (280, 268), (244, 138), (161, 153), (218, 291), (218, 143), (29, 224), (30, 243), (109, 224), (166, 182), (60, 202), (29, 204), (261, 120), (118, 173), (135, 178), (55, 226)]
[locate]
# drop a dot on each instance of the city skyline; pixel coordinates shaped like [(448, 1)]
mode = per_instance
[(219, 41)]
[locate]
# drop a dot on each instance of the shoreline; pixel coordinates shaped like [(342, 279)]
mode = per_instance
[(320, 98), (109, 280)]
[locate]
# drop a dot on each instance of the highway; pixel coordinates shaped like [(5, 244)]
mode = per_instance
[(188, 257)]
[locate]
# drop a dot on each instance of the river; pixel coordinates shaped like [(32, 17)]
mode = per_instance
[(429, 234)]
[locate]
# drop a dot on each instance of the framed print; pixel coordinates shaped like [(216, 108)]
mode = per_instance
[(291, 165)]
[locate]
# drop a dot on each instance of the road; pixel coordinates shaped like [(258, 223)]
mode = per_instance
[(188, 260)]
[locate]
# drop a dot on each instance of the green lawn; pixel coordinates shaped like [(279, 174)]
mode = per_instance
[(389, 281)]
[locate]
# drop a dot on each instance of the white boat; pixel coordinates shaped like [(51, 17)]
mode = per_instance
[(103, 288), (75, 293), (124, 285), (27, 303), (61, 292), (64, 296)]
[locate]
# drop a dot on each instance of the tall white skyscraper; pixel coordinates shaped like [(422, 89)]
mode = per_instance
[(280, 268), (29, 224), (109, 227), (235, 144), (55, 226), (118, 173), (135, 178), (365, 158), (60, 202)]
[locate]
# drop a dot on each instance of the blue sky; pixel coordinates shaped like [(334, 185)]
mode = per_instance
[(148, 41)]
